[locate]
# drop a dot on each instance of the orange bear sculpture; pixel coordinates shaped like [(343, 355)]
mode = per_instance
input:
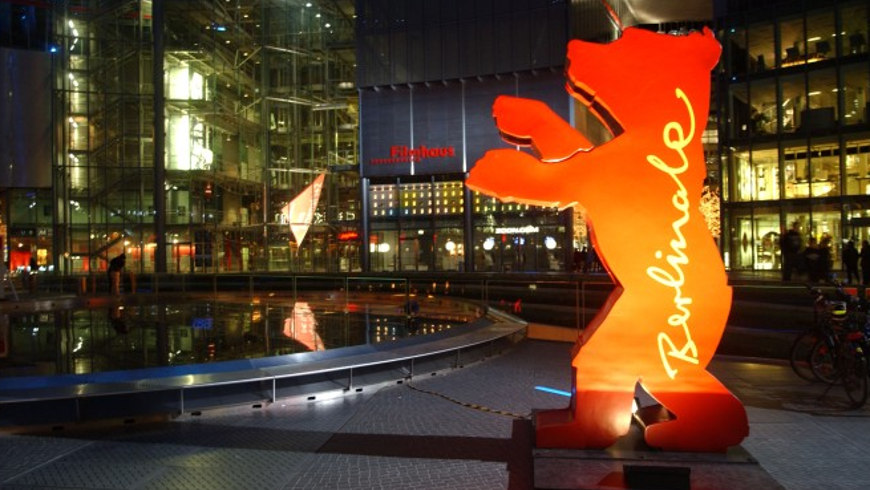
[(641, 194)]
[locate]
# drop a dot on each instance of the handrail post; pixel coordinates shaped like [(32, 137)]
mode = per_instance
[(577, 303)]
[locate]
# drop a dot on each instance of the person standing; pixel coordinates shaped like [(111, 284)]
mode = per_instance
[(850, 261), (865, 262), (813, 260), (790, 247), (116, 265), (826, 258), (34, 269)]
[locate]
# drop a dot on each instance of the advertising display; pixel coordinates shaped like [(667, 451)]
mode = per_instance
[(641, 194)]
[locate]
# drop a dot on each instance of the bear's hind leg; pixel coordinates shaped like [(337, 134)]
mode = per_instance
[(708, 417), (596, 418)]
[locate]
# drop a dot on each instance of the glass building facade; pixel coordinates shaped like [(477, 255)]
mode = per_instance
[(256, 99), (391, 99), (795, 126)]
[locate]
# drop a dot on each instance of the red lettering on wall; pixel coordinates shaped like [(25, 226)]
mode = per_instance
[(405, 154)]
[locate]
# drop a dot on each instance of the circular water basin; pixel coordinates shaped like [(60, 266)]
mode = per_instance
[(142, 331)]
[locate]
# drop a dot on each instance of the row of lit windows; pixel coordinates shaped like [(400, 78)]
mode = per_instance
[(795, 41), (390, 200), (417, 199), (768, 174)]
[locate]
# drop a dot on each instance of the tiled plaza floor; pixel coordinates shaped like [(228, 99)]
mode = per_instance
[(458, 430)]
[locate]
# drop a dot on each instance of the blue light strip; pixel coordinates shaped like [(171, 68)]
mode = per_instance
[(553, 391)]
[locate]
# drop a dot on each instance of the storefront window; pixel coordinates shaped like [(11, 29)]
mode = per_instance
[(762, 50), (796, 173), (859, 226), (857, 163), (826, 230), (766, 246), (758, 177), (486, 251), (825, 166), (799, 219), (854, 91), (765, 164), (383, 247), (745, 177), (741, 240), (415, 249), (449, 249), (853, 36)]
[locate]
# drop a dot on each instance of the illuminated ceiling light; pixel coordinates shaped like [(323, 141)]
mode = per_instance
[(308, 4)]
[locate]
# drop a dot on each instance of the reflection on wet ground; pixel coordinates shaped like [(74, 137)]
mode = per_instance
[(142, 331)]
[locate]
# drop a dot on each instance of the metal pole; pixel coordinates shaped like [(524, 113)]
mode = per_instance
[(365, 260), (159, 140)]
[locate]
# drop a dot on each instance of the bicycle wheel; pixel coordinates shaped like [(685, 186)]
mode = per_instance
[(854, 376), (823, 362), (799, 356)]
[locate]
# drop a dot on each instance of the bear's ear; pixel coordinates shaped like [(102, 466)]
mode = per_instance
[(710, 48)]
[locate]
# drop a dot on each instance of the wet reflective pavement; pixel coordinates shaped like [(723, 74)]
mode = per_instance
[(467, 428)]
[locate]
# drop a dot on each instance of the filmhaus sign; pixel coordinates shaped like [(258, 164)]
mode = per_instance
[(401, 154)]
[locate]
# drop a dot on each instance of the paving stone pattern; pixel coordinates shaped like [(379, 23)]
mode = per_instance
[(454, 431)]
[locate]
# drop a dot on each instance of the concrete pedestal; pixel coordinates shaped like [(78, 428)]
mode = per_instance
[(630, 463)]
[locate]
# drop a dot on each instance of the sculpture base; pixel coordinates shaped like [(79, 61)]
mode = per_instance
[(630, 463)]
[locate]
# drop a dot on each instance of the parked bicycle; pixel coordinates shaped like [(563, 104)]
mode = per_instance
[(843, 363), (826, 314), (834, 349)]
